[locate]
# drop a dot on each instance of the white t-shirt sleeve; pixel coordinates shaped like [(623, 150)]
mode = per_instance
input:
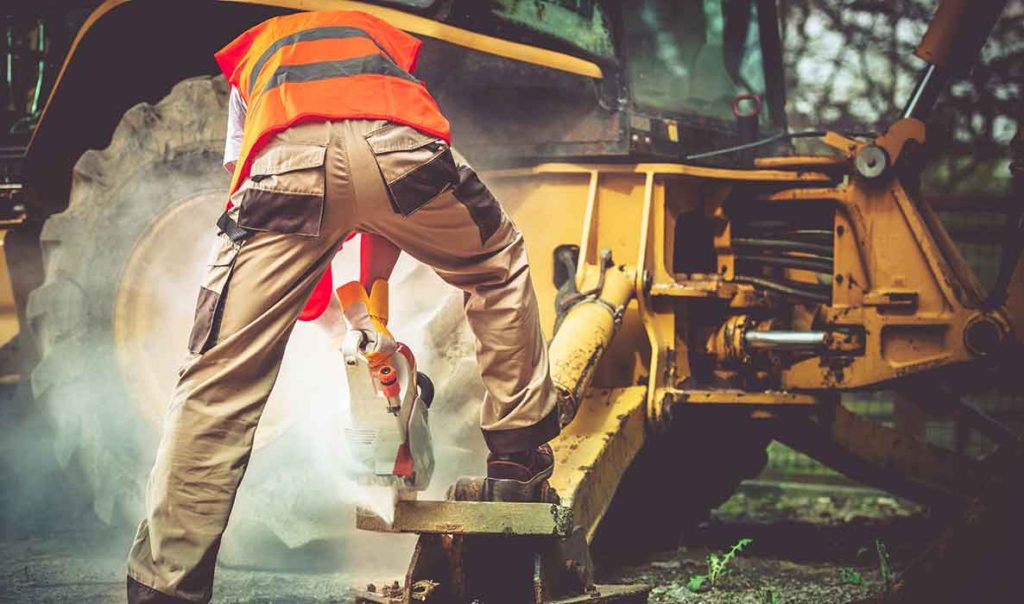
[(236, 127)]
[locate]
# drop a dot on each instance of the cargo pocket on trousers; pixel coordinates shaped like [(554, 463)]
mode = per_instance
[(416, 167), (211, 293), (285, 190)]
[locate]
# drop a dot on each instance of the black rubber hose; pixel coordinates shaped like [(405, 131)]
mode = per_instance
[(807, 264), (426, 388), (780, 244), (803, 255), (782, 288), (771, 139)]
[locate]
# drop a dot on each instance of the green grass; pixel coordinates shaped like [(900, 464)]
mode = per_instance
[(718, 567)]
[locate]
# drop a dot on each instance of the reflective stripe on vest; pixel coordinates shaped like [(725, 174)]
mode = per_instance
[(308, 35), (311, 72)]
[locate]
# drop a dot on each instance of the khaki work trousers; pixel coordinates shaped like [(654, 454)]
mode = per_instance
[(309, 187)]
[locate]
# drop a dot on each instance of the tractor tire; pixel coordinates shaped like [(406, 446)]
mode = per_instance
[(676, 480), (162, 160)]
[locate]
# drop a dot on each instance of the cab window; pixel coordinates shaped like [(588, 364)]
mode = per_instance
[(692, 57)]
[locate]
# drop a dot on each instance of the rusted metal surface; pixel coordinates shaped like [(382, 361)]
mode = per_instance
[(471, 518)]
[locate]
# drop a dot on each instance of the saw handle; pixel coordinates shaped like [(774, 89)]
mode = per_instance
[(426, 387)]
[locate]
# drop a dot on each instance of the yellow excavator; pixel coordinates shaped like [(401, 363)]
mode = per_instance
[(703, 289)]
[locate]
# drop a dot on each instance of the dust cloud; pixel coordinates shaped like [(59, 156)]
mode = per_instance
[(296, 507), (301, 485)]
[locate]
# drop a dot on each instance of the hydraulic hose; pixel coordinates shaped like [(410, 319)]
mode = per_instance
[(783, 288), (781, 244), (796, 262)]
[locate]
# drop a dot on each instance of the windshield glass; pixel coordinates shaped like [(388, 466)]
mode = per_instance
[(693, 57), (579, 24)]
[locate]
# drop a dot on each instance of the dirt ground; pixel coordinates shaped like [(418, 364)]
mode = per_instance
[(809, 545)]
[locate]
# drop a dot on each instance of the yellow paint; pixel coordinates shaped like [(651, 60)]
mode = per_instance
[(594, 451), (897, 286), (586, 332), (547, 209), (666, 169), (9, 327), (801, 162), (885, 251), (735, 397), (470, 518), (673, 130)]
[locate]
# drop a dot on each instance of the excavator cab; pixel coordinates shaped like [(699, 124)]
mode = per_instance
[(676, 78)]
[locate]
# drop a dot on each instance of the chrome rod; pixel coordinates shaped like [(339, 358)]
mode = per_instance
[(785, 340)]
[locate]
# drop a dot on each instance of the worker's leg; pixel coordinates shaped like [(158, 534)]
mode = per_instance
[(472, 244), (238, 342)]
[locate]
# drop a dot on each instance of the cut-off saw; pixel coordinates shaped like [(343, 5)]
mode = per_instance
[(389, 437)]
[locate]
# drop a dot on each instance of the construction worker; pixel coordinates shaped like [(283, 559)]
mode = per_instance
[(338, 138)]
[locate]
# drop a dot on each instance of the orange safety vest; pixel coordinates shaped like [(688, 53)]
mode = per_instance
[(324, 65)]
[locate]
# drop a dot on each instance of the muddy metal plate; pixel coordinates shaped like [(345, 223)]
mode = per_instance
[(471, 518)]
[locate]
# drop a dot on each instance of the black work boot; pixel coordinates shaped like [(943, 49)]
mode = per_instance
[(144, 594), (519, 476)]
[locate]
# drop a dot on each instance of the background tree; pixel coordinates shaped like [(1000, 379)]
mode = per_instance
[(850, 66)]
